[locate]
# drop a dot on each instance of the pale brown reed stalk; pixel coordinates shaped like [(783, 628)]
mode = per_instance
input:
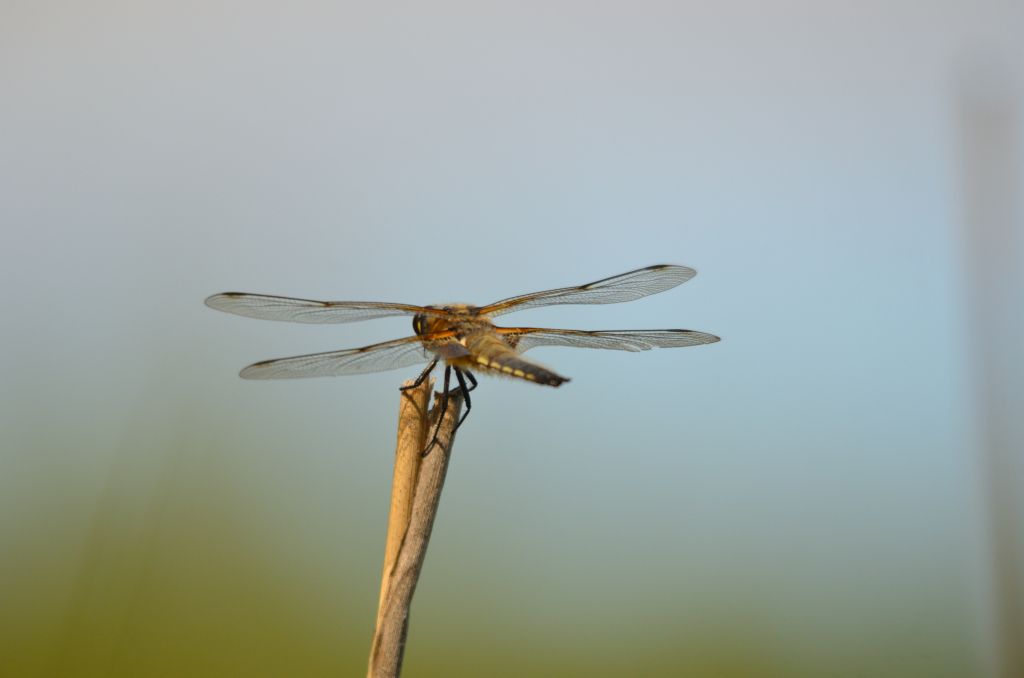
[(415, 494)]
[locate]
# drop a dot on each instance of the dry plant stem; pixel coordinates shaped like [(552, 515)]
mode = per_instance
[(412, 431), (401, 575)]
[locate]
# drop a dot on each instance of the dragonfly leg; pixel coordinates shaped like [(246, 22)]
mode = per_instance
[(444, 408), (423, 375), (472, 380), (465, 395)]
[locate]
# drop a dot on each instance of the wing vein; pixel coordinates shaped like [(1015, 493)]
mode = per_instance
[(526, 338), (388, 355), (269, 307), (625, 287)]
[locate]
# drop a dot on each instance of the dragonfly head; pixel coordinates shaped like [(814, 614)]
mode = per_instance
[(443, 317), (425, 323), (419, 323)]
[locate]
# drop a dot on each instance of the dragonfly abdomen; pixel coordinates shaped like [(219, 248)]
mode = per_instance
[(511, 365), (490, 354)]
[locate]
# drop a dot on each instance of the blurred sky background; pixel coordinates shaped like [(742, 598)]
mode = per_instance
[(833, 490)]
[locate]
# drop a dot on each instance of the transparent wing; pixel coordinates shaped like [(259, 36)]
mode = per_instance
[(389, 355), (525, 338), (619, 288), (267, 307)]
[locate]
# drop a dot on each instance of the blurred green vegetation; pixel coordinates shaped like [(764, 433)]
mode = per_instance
[(181, 568)]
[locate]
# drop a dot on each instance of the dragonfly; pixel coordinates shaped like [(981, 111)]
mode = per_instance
[(463, 336)]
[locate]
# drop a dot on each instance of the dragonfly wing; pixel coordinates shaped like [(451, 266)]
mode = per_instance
[(525, 338), (389, 355), (619, 288), (268, 307)]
